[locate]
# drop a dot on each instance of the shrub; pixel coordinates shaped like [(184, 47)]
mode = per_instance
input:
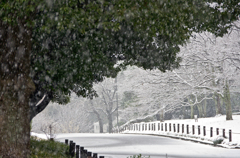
[(47, 148), (218, 140)]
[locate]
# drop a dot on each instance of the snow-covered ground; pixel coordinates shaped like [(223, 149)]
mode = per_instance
[(126, 145), (215, 122), (40, 135)]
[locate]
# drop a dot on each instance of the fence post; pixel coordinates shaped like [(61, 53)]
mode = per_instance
[(182, 128), (230, 135), (217, 131), (178, 126), (77, 151), (95, 155), (158, 126), (174, 128), (199, 130), (169, 127), (85, 153), (89, 154), (70, 148), (187, 129), (204, 130), (162, 126), (165, 127), (73, 149), (66, 141), (193, 129), (82, 152), (211, 132), (224, 136)]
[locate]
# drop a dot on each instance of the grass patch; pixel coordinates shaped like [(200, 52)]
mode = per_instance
[(47, 148)]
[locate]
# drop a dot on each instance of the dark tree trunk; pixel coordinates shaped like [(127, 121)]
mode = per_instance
[(162, 115), (16, 87), (200, 110), (100, 126), (100, 121), (205, 108), (192, 112), (218, 104), (158, 117), (227, 100), (110, 124), (39, 102)]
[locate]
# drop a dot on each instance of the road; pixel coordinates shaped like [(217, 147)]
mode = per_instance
[(126, 145)]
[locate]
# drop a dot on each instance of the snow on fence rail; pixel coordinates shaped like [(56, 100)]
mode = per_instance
[(80, 152), (178, 129)]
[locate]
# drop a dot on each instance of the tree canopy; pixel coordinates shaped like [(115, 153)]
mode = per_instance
[(84, 40)]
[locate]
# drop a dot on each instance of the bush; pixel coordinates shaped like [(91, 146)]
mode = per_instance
[(47, 148), (218, 140)]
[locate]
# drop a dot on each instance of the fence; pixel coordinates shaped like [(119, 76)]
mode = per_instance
[(177, 128), (80, 152)]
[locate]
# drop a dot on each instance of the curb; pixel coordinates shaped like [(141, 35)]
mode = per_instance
[(185, 139)]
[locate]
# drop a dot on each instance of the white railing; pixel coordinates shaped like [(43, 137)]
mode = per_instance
[(177, 129)]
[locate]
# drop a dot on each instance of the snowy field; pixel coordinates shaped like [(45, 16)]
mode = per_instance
[(215, 122)]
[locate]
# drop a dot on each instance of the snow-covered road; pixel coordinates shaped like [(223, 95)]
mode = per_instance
[(125, 145)]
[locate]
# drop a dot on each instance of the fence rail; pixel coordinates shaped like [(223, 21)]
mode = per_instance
[(195, 130), (79, 152)]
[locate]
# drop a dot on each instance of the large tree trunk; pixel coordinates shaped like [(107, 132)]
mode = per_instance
[(15, 89), (227, 101)]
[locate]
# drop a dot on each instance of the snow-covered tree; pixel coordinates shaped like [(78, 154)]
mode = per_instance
[(106, 103), (212, 63), (209, 70)]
